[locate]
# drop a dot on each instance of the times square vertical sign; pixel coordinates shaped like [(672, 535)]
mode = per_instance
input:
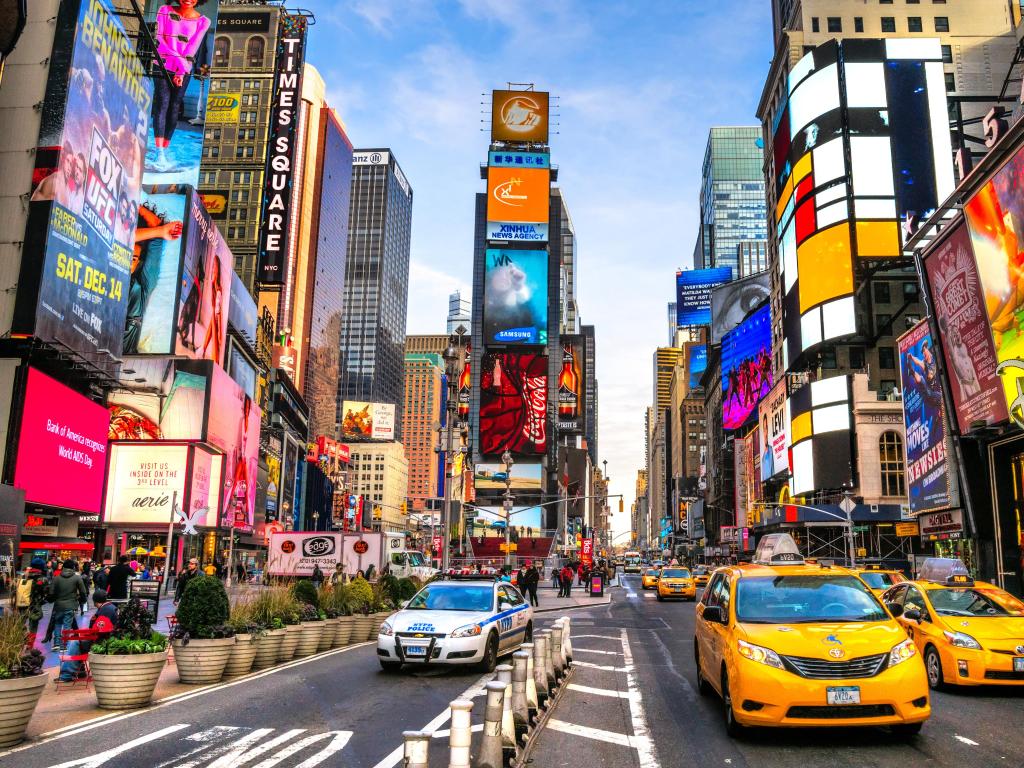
[(275, 219)]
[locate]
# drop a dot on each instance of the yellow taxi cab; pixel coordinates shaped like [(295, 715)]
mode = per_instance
[(649, 579), (701, 574), (877, 578), (676, 581), (786, 643), (968, 632)]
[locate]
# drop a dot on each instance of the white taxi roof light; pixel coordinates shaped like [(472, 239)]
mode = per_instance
[(777, 548), (950, 571)]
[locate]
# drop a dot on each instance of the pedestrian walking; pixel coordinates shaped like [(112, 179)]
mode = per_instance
[(530, 580), (103, 621), (338, 577), (66, 591), (567, 577), (556, 579), (30, 596), (101, 577), (117, 579), (240, 572), (317, 577), (189, 573)]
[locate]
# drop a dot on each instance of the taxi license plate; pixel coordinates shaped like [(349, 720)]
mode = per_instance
[(842, 695), (1018, 664), (415, 650)]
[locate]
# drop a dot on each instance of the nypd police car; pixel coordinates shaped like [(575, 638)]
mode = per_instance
[(456, 621)]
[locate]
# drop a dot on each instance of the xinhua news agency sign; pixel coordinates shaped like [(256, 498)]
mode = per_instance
[(284, 117)]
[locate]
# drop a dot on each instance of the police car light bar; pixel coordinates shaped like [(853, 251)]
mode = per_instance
[(950, 571), (777, 549)]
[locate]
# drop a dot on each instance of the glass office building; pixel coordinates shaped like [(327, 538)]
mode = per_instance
[(376, 283), (732, 207)]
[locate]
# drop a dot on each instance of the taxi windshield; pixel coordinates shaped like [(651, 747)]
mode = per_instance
[(974, 602), (453, 597), (675, 573), (805, 600), (653, 572), (878, 580), (700, 570)]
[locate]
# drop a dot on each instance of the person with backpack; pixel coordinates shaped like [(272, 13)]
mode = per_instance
[(67, 591), (30, 597)]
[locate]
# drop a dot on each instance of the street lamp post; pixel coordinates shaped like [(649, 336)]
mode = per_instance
[(508, 461), (452, 356)]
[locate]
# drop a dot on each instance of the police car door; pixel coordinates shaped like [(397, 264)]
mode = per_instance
[(506, 620)]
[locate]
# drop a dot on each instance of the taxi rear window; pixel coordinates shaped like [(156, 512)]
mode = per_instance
[(974, 602), (653, 572), (805, 600)]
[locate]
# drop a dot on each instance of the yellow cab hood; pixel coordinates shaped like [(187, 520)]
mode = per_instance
[(855, 638), (675, 580), (993, 628)]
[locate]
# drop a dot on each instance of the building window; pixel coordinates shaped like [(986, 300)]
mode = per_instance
[(882, 292), (858, 24), (950, 82), (883, 323), (888, 23), (221, 51), (254, 52), (885, 2), (910, 291), (828, 358), (835, 24), (942, 23), (886, 358), (890, 464), (856, 358), (914, 24), (815, 26), (913, 2), (947, 54)]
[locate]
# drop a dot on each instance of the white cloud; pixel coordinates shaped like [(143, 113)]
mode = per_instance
[(429, 289)]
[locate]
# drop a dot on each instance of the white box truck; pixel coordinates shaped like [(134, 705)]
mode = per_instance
[(296, 553)]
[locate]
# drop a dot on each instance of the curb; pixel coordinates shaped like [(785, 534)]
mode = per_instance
[(525, 757)]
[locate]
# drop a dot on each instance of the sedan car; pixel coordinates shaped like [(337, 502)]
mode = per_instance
[(649, 579), (456, 621)]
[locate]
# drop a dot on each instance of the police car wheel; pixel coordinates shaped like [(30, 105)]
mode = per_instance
[(390, 667), (490, 660)]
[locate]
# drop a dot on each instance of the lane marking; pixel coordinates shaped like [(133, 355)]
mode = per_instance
[(576, 649), (97, 760), (965, 740), (647, 755), (598, 734), (599, 637), (476, 689), (602, 667), (600, 691)]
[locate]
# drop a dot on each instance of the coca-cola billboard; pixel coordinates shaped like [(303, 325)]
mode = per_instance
[(513, 404)]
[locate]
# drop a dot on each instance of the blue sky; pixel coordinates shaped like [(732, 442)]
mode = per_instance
[(636, 86)]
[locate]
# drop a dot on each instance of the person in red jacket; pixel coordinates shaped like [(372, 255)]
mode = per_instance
[(567, 577)]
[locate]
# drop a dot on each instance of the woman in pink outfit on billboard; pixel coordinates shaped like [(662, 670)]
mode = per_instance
[(180, 30), (215, 330)]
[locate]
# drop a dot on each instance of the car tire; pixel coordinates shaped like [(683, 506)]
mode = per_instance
[(933, 668), (703, 687), (490, 659), (390, 667), (660, 598), (906, 730), (732, 727)]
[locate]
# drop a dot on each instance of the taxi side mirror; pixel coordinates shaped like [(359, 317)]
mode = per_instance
[(912, 614), (895, 609), (714, 613)]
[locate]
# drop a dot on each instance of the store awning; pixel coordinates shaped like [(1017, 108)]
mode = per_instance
[(54, 544)]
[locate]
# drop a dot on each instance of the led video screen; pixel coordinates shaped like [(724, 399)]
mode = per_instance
[(513, 404), (515, 297), (746, 368)]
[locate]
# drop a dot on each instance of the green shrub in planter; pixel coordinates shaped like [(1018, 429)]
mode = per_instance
[(305, 592), (361, 595), (203, 610)]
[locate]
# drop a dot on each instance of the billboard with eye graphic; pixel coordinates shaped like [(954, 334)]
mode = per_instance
[(731, 302)]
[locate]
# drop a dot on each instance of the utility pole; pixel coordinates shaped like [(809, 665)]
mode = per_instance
[(452, 357), (508, 461)]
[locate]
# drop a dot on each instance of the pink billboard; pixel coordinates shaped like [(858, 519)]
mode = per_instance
[(62, 446), (233, 425)]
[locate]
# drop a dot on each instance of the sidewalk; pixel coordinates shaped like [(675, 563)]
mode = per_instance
[(549, 600)]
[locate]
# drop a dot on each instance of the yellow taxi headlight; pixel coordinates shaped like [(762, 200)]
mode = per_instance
[(759, 654), (962, 640), (902, 652)]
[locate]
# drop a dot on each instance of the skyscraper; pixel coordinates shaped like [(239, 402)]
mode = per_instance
[(459, 310), (376, 282), (590, 391), (732, 205), (424, 379)]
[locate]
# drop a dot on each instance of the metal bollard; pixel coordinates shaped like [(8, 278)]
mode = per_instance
[(540, 644), (503, 673), (520, 709), (492, 748), (417, 749), (549, 667), (460, 738), (567, 639), (532, 701), (557, 660)]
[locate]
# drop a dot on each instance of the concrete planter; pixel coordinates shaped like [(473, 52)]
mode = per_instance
[(366, 628), (126, 682), (243, 654), (202, 661), (268, 648), (328, 635), (18, 699), (343, 635), (288, 645), (309, 638)]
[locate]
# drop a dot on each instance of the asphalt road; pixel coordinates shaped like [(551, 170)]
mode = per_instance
[(633, 703)]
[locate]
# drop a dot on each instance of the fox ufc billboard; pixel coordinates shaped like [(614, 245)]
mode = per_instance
[(519, 116)]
